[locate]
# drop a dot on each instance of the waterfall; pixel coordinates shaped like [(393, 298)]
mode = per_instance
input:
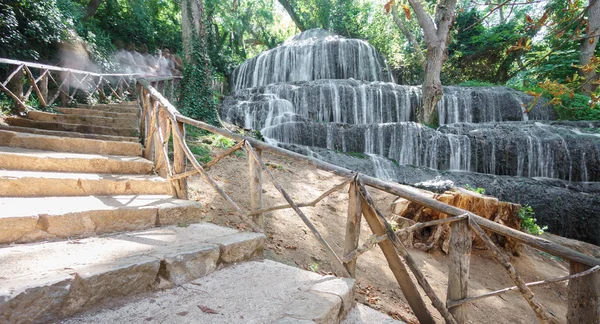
[(322, 90), (312, 56), (384, 168)]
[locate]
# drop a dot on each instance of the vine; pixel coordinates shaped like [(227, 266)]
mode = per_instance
[(196, 98)]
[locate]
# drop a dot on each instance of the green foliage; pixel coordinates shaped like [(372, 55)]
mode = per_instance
[(196, 99), (201, 151), (529, 222), (221, 141), (576, 108), (475, 83), (479, 190)]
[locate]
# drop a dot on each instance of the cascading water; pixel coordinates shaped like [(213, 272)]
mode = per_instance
[(322, 90), (313, 55)]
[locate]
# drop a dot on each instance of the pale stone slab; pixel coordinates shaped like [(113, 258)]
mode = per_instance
[(315, 306), (33, 299), (290, 320), (239, 247), (94, 112), (341, 287), (362, 314), (14, 228), (79, 128), (39, 184), (185, 266), (60, 143), (179, 212), (15, 158), (127, 122), (97, 283), (249, 292)]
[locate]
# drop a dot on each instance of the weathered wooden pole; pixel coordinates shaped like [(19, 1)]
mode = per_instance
[(15, 85), (458, 272), (255, 175), (179, 163), (409, 289), (43, 85), (584, 296), (352, 226)]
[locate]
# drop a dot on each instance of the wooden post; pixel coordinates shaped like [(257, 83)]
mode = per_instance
[(63, 89), (584, 296), (15, 85), (352, 226), (458, 272), (255, 175), (120, 88), (159, 162), (409, 289), (43, 85), (179, 162)]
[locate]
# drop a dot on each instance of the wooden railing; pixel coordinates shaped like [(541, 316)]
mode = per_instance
[(161, 122), (51, 83)]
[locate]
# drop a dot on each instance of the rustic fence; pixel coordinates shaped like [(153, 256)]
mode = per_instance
[(163, 132)]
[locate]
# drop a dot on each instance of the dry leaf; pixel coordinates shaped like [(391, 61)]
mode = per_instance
[(406, 11), (183, 313), (388, 6), (207, 310)]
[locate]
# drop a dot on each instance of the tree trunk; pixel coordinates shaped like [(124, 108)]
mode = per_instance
[(290, 10), (192, 26), (91, 8), (432, 85), (436, 36), (588, 45)]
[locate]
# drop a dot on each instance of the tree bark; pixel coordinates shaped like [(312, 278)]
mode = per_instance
[(91, 8), (290, 10), (432, 85), (436, 36), (588, 46), (192, 26)]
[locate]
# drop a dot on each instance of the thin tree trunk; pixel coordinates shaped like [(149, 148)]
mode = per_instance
[(437, 35), (290, 10), (588, 46), (432, 85), (91, 8)]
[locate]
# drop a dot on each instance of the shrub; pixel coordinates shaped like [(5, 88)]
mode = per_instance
[(529, 222)]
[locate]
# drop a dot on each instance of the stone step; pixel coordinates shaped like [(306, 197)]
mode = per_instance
[(79, 128), (129, 109), (251, 292), (32, 219), (131, 122), (94, 112), (69, 134), (40, 184), (53, 280), (16, 158), (68, 144)]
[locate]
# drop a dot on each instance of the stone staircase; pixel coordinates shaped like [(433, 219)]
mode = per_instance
[(85, 224)]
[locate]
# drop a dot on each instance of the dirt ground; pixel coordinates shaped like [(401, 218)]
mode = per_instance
[(292, 243)]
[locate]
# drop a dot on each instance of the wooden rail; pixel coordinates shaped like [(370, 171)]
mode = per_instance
[(161, 121)]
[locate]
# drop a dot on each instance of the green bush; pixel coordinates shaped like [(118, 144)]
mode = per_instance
[(475, 83), (480, 191), (529, 222), (577, 108)]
